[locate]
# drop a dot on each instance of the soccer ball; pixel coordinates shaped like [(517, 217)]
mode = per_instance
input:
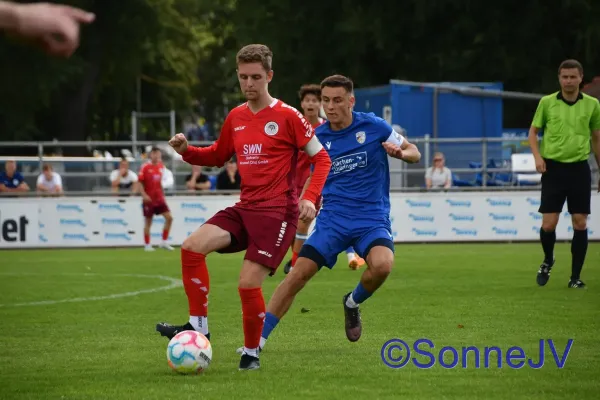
[(189, 352)]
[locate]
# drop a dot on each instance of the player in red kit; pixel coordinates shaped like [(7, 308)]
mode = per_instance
[(310, 101), (266, 135), (153, 198)]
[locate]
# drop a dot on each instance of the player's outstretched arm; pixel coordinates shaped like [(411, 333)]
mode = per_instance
[(214, 155)]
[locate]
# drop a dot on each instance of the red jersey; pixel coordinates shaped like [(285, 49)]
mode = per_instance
[(151, 176), (303, 168), (267, 146)]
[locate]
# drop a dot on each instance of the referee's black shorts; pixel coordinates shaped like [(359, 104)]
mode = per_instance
[(566, 181)]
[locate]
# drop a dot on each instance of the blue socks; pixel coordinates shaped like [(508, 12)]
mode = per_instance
[(360, 294), (350, 250), (271, 322)]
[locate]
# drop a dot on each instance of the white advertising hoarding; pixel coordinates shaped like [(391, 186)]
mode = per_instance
[(416, 217), (480, 216)]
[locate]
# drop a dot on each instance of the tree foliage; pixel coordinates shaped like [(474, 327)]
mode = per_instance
[(181, 55)]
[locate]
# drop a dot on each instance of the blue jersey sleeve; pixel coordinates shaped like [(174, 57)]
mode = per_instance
[(386, 133), (384, 129)]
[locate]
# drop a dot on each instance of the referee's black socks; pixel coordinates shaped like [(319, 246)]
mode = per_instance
[(579, 247), (548, 239)]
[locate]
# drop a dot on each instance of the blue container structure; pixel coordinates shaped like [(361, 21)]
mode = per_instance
[(441, 112)]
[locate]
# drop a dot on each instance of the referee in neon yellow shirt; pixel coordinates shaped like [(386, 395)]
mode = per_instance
[(569, 119)]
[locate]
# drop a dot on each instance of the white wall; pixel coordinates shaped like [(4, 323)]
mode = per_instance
[(416, 217)]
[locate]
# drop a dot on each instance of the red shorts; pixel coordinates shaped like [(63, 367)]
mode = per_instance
[(151, 209), (266, 239)]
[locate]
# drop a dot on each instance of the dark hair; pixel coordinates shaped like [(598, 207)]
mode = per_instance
[(258, 53), (338, 81), (154, 149), (47, 167), (310, 89), (568, 64)]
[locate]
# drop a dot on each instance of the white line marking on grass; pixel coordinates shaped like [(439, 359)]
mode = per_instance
[(173, 283)]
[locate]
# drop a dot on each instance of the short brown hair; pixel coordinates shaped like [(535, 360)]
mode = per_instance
[(309, 89), (338, 81), (47, 167), (256, 53), (568, 64)]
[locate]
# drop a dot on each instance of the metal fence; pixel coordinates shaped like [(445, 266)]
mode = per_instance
[(484, 163)]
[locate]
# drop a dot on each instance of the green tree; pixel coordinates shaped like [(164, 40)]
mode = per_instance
[(160, 43)]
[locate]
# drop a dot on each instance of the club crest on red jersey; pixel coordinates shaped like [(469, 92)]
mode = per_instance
[(271, 128)]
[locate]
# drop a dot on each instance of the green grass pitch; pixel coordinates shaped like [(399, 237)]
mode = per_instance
[(104, 346)]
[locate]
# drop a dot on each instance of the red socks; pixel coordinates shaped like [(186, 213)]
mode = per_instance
[(197, 285), (253, 310), (195, 281), (165, 236), (294, 258)]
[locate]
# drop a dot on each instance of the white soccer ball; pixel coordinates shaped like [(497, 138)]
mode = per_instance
[(189, 352)]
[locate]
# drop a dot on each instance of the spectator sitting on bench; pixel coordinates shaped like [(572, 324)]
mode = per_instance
[(438, 175), (11, 180), (123, 179), (229, 178), (49, 182), (197, 180)]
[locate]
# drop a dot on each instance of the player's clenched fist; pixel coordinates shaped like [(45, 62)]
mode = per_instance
[(393, 150), (307, 211), (179, 143)]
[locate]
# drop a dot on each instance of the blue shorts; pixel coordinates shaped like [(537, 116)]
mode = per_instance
[(334, 233)]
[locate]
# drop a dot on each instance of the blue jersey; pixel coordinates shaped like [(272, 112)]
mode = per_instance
[(356, 195), (12, 182), (359, 179)]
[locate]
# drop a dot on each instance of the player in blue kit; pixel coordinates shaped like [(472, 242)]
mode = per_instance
[(356, 204)]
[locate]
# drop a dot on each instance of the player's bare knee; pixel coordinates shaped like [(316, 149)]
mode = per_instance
[(549, 222), (248, 282), (252, 274), (579, 221), (206, 239), (380, 261), (194, 242), (188, 244), (168, 218), (549, 227), (383, 267)]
